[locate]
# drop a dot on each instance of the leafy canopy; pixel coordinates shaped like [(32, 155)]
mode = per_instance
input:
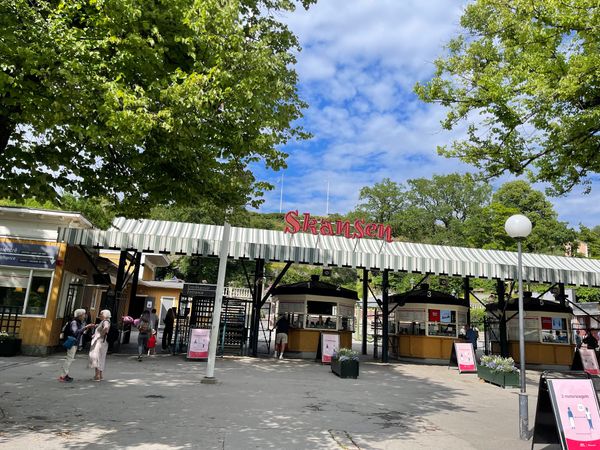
[(145, 103), (524, 75)]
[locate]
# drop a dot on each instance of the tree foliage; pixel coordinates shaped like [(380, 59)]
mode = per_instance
[(145, 103), (524, 76)]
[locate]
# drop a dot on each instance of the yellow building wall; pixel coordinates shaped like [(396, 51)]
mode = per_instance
[(300, 340), (426, 347), (545, 354), (40, 331)]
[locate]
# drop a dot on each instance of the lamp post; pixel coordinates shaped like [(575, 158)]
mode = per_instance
[(518, 227)]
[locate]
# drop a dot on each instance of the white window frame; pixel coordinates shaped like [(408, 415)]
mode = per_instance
[(26, 300)]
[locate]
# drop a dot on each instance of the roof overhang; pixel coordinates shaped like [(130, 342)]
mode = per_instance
[(178, 238)]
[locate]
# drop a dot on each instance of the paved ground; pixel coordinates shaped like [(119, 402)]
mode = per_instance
[(258, 404)]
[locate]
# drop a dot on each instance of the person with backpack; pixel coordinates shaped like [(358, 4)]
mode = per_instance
[(144, 333), (72, 333), (168, 330), (99, 345)]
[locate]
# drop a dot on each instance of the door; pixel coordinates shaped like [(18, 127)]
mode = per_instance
[(166, 303)]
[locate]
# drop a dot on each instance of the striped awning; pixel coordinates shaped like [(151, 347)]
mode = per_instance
[(153, 236)]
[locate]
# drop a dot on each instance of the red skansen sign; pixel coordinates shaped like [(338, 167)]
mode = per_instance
[(356, 230)]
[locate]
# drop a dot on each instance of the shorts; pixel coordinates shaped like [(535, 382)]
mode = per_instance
[(281, 338)]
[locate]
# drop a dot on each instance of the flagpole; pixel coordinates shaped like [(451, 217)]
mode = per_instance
[(281, 196)]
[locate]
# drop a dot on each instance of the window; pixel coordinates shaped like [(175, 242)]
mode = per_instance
[(28, 289), (442, 323), (411, 321), (554, 330)]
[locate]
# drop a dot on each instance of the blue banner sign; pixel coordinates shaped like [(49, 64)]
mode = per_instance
[(28, 255)]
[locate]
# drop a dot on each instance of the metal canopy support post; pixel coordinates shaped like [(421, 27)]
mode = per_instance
[(111, 299), (561, 294), (384, 316), (134, 280), (467, 289), (500, 292), (256, 305), (365, 281), (276, 282), (216, 317)]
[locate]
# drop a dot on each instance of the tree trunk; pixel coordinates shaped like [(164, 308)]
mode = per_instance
[(6, 129)]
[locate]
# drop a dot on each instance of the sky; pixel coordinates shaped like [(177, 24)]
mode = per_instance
[(359, 62)]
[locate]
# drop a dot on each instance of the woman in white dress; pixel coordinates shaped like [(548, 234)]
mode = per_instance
[(99, 345)]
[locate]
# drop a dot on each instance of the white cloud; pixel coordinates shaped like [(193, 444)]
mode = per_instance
[(360, 61)]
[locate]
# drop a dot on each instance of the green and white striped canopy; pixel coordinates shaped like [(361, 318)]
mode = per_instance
[(153, 236)]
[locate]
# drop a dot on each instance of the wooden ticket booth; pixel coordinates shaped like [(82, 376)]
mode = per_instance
[(314, 307), (547, 330), (427, 323)]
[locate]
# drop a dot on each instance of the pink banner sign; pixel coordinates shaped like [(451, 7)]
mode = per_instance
[(330, 344), (589, 361), (576, 411), (198, 346), (465, 356)]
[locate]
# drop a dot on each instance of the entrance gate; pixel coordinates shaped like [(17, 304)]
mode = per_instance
[(196, 304)]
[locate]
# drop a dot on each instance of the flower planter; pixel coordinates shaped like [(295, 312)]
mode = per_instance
[(10, 347), (345, 369), (498, 378)]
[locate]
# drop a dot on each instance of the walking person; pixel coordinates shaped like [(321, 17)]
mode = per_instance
[(168, 330), (99, 345), (154, 320), (75, 330), (144, 333), (281, 336)]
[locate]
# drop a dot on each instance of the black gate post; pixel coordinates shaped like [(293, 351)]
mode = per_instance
[(111, 302), (365, 280), (467, 290), (256, 304), (500, 292), (384, 317), (135, 278)]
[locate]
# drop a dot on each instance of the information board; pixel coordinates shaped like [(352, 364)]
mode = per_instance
[(576, 412), (330, 344), (465, 356), (585, 359), (198, 345)]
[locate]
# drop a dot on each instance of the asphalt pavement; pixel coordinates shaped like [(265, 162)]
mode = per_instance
[(258, 403)]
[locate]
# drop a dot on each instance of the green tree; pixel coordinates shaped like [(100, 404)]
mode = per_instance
[(524, 76), (382, 201), (145, 103), (591, 236), (548, 234), (441, 205)]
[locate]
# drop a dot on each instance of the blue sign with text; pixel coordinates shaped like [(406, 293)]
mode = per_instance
[(28, 255)]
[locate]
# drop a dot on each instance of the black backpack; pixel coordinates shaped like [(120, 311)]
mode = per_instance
[(113, 334), (65, 332)]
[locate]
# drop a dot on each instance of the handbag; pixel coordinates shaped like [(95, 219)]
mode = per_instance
[(70, 342)]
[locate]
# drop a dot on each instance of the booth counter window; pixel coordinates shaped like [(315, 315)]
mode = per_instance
[(430, 322), (27, 289)]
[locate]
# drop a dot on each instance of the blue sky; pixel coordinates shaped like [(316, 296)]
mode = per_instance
[(359, 62)]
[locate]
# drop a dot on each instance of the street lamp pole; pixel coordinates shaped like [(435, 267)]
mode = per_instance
[(519, 227)]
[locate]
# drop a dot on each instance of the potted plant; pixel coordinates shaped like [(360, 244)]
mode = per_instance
[(344, 363), (498, 370), (10, 345)]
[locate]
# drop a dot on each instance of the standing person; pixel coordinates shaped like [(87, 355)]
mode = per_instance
[(577, 340), (168, 329), (144, 333), (152, 344), (153, 320), (281, 336), (471, 336), (75, 329), (590, 341), (99, 345)]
